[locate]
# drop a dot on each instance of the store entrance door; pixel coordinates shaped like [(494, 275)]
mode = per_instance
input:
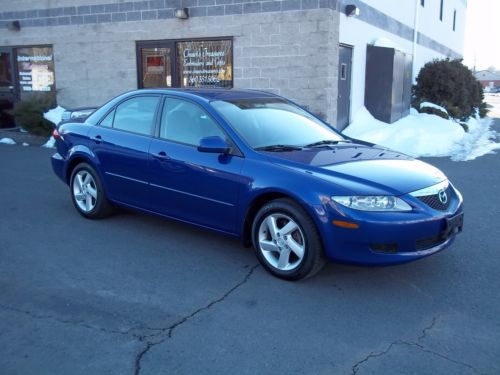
[(155, 61), (8, 91)]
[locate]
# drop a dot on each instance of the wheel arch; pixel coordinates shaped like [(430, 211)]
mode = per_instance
[(256, 204)]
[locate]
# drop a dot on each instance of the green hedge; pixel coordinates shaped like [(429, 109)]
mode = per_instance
[(29, 114), (451, 85)]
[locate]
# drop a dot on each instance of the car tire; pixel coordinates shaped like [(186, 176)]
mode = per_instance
[(87, 193), (286, 240)]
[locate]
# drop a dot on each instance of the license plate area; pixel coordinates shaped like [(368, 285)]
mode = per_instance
[(453, 225)]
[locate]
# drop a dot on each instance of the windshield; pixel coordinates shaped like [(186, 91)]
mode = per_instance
[(273, 121)]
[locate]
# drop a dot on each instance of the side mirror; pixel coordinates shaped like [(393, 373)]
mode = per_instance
[(214, 144)]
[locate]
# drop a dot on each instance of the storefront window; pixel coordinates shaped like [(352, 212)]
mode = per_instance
[(180, 63), (205, 63), (36, 71)]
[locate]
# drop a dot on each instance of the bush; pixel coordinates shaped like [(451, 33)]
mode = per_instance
[(29, 114), (451, 85)]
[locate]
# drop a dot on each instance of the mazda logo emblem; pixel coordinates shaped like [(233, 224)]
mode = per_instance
[(443, 198)]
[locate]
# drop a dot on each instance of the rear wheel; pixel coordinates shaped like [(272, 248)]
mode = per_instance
[(87, 192), (286, 240)]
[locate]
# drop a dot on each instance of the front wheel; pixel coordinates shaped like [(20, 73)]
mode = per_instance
[(286, 241), (87, 192)]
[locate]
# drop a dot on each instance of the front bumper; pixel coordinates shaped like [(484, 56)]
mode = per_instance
[(385, 238)]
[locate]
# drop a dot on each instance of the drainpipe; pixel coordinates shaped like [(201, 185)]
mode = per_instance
[(415, 34)]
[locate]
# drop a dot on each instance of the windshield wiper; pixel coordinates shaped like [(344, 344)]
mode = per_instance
[(327, 142), (278, 148)]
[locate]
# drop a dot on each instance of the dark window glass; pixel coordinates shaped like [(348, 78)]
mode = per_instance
[(186, 122), (108, 120), (136, 115), (265, 122), (205, 63), (343, 71), (454, 19), (441, 11), (35, 66)]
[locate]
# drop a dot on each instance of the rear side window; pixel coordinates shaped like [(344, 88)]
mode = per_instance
[(186, 122), (135, 115)]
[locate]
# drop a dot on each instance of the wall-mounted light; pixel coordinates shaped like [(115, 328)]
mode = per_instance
[(14, 26), (182, 14), (351, 10)]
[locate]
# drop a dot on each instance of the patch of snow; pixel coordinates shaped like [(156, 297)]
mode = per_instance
[(7, 141), (387, 43), (25, 144), (54, 115), (478, 141), (432, 105), (22, 130), (50, 143), (421, 134)]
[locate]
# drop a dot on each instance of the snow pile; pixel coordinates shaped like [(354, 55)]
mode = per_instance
[(7, 141), (478, 141), (54, 115), (387, 43), (51, 143), (421, 134), (432, 105), (25, 144)]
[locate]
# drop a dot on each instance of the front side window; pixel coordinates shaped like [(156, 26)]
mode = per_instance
[(136, 115), (186, 122), (270, 121)]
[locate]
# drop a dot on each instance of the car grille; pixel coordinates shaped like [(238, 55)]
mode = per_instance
[(433, 200)]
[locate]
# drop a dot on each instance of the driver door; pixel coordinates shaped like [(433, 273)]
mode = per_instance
[(187, 184)]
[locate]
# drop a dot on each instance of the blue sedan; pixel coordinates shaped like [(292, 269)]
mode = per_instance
[(256, 166)]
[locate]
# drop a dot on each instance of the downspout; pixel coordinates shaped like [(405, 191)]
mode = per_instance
[(415, 39)]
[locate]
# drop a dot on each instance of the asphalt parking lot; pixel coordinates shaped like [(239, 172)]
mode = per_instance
[(135, 294)]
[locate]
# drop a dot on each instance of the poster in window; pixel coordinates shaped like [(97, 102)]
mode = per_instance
[(205, 63), (155, 64), (36, 70)]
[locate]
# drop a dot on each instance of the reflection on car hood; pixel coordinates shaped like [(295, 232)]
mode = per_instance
[(372, 166)]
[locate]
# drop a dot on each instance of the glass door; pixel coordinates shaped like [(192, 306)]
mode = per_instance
[(8, 92), (155, 64)]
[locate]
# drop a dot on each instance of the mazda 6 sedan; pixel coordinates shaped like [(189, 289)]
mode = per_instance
[(256, 166)]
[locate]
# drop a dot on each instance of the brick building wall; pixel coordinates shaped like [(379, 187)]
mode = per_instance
[(288, 47)]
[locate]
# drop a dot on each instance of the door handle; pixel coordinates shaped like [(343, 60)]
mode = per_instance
[(97, 139), (162, 155)]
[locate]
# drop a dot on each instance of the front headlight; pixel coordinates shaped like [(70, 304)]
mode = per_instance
[(373, 203)]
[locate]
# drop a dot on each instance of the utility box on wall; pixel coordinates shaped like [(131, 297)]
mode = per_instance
[(388, 83)]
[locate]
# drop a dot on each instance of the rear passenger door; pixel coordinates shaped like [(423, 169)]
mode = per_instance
[(187, 184), (121, 144)]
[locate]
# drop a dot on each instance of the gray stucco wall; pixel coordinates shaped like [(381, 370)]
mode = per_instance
[(293, 52)]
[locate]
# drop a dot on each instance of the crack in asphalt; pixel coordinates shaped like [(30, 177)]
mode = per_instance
[(78, 323), (161, 334), (166, 332), (427, 329), (355, 368)]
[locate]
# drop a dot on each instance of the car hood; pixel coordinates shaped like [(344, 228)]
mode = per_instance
[(362, 169)]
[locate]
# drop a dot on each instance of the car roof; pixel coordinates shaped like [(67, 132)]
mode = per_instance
[(210, 94)]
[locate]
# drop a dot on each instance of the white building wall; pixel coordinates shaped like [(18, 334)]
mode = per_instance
[(358, 33)]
